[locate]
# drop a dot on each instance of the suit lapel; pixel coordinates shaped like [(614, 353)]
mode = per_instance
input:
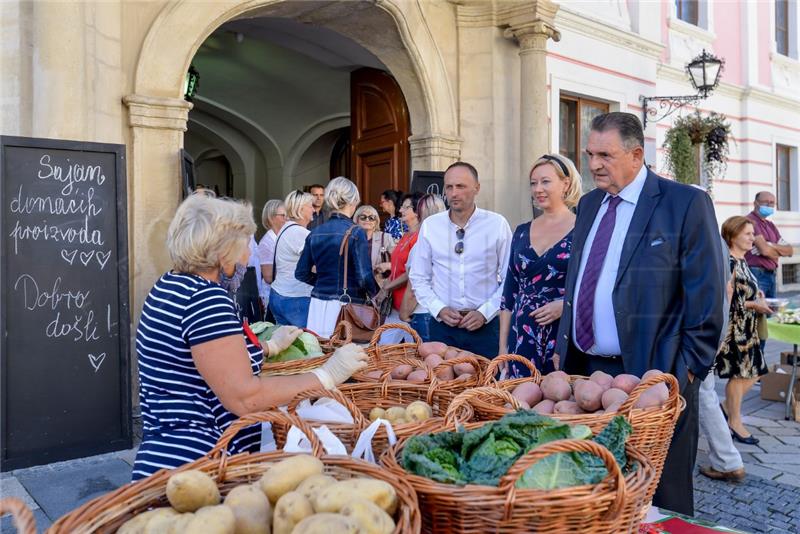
[(641, 216)]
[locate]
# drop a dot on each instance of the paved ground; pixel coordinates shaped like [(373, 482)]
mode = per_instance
[(768, 500)]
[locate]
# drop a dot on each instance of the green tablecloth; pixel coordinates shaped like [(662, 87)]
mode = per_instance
[(788, 333)]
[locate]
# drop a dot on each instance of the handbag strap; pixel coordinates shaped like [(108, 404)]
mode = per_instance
[(344, 250), (275, 252)]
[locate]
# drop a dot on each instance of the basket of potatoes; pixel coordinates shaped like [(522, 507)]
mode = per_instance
[(651, 404), (263, 493)]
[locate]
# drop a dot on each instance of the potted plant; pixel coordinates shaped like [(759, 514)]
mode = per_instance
[(698, 144)]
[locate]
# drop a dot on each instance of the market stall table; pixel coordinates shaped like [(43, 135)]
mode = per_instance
[(788, 333)]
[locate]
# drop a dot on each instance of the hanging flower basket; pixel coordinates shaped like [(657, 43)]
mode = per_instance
[(697, 136)]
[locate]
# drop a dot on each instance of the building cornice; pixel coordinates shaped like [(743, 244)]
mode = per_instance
[(157, 112), (567, 19)]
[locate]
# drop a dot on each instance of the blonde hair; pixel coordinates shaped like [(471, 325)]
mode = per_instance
[(271, 207), (575, 188), (428, 205), (369, 210), (340, 193), (294, 203), (206, 231)]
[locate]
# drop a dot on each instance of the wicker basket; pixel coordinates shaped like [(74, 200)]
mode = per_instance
[(383, 357), (615, 505), (107, 513), (494, 368), (342, 335), (652, 428), (23, 519)]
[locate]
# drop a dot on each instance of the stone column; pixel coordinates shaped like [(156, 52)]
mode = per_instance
[(434, 151), (154, 186), (534, 109)]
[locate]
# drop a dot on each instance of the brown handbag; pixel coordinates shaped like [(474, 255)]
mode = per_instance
[(364, 318)]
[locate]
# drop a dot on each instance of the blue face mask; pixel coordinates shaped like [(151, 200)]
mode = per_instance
[(766, 211), (232, 283)]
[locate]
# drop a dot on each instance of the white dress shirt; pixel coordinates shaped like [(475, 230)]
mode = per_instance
[(472, 280), (606, 337)]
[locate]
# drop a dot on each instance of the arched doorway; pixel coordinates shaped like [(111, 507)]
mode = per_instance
[(392, 30)]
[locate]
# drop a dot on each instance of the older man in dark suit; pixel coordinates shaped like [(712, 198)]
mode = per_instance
[(644, 286)]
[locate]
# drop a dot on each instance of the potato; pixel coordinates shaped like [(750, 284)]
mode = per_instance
[(180, 523), (653, 397), (161, 521), (433, 361), (377, 413), (445, 373), (250, 508), (189, 491), (417, 377), (464, 368), (555, 388), (558, 374), (419, 411), (567, 407), (528, 392), (334, 497), (431, 347), (313, 484), (375, 374), (451, 353), (136, 524), (545, 407), (602, 379), (327, 524), (217, 519), (589, 395), (401, 372), (625, 382), (400, 421), (652, 372), (287, 474), (371, 518), (394, 413), (613, 396), (290, 510), (464, 377), (614, 408)]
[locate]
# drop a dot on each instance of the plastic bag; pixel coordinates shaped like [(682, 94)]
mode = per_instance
[(324, 409), (296, 441), (363, 449)]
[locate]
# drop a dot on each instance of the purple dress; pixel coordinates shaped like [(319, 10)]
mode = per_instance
[(532, 281)]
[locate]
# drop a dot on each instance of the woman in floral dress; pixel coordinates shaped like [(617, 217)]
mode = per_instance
[(540, 250)]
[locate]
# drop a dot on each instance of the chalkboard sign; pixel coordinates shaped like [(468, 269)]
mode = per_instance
[(428, 182), (64, 308)]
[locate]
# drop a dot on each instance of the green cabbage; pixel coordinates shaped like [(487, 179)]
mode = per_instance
[(305, 346)]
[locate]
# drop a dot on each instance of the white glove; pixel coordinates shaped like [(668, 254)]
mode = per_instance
[(281, 338), (341, 365)]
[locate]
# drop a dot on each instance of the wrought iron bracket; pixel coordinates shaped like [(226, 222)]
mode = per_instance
[(667, 105)]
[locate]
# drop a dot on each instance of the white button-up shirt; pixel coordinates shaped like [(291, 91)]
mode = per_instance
[(472, 280), (606, 337)]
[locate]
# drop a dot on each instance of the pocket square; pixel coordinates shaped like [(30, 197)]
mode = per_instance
[(657, 241)]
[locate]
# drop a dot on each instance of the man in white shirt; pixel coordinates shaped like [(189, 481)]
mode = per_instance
[(459, 264)]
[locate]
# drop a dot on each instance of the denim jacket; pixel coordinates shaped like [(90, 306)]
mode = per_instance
[(322, 251)]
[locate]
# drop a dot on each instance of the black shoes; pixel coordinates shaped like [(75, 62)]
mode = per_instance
[(749, 440)]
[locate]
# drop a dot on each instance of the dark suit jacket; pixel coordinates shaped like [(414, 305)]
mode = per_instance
[(668, 296)]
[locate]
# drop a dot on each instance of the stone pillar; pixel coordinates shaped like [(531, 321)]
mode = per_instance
[(154, 186), (434, 151)]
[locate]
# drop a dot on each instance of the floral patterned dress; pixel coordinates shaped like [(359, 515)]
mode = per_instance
[(532, 281), (740, 355), (395, 227)]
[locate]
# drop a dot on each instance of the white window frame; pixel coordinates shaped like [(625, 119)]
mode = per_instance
[(794, 167), (705, 21), (794, 22)]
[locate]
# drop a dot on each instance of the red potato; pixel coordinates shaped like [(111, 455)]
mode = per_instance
[(567, 407), (464, 377), (588, 395), (653, 397), (450, 353), (417, 377), (556, 388), (464, 368), (432, 347), (625, 382), (614, 408), (528, 392), (602, 379), (375, 374), (401, 372), (613, 396), (522, 405), (652, 372), (558, 374), (445, 373), (433, 360), (545, 407)]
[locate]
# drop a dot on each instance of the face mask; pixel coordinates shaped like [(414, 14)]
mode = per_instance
[(766, 211), (232, 283)]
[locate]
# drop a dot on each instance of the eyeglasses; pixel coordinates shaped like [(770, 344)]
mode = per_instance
[(460, 245), (280, 215), (366, 217)]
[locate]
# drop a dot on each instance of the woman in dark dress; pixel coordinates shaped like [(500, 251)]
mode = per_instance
[(533, 292)]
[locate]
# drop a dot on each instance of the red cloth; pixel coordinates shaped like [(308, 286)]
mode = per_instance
[(399, 260), (771, 234)]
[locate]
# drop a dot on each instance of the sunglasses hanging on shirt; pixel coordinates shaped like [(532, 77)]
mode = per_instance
[(460, 245)]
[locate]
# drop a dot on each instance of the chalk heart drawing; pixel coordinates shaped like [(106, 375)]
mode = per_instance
[(68, 256), (97, 361), (86, 257), (102, 258)]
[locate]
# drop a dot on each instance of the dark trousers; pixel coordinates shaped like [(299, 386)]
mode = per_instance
[(484, 341), (675, 491)]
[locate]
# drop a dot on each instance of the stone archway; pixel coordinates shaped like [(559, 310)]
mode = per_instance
[(393, 30)]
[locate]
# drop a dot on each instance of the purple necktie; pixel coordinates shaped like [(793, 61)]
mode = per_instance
[(584, 330)]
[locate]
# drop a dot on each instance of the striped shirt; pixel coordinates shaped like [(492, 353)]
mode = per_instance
[(182, 417)]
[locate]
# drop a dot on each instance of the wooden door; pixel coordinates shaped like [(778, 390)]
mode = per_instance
[(379, 134)]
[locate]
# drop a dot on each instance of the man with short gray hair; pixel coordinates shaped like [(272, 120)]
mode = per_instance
[(645, 283)]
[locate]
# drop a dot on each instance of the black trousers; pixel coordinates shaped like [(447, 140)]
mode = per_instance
[(484, 341), (675, 491)]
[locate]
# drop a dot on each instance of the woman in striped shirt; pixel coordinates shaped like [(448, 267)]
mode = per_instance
[(198, 364)]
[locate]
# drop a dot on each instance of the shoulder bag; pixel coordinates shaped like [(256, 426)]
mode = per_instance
[(364, 318)]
